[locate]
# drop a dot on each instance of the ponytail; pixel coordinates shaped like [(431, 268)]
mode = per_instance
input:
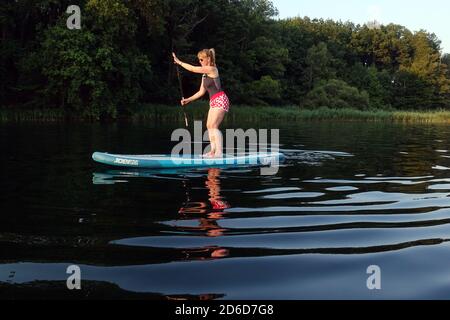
[(212, 55)]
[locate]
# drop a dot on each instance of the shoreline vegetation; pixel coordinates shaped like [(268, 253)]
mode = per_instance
[(238, 113), (121, 59)]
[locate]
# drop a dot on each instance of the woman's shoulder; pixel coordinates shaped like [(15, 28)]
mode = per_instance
[(214, 73)]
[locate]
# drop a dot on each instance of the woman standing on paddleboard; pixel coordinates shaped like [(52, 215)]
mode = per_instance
[(218, 100)]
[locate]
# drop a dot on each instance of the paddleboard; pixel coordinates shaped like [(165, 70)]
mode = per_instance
[(189, 161)]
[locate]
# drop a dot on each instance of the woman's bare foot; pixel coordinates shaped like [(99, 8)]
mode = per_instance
[(208, 155)]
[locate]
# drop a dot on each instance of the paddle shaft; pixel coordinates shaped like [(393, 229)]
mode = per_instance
[(182, 94)]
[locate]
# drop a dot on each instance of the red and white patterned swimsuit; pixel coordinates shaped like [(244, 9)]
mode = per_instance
[(217, 97), (220, 100)]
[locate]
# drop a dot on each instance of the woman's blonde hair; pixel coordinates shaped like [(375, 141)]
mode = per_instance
[(210, 53)]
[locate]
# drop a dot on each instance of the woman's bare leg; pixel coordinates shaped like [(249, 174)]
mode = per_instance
[(210, 135), (215, 117)]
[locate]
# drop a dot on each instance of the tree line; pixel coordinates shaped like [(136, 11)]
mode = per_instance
[(120, 58)]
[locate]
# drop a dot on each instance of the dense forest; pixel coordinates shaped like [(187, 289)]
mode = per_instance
[(120, 58)]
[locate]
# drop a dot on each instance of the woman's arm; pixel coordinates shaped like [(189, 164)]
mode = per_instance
[(191, 68), (201, 92)]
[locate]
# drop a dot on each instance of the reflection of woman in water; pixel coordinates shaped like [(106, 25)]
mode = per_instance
[(213, 184), (213, 211)]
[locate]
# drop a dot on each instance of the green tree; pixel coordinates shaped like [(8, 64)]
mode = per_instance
[(412, 92), (239, 31), (265, 57), (425, 62), (377, 84), (96, 71), (386, 47), (301, 35), (319, 64), (426, 73), (446, 62), (20, 22), (336, 94), (263, 91)]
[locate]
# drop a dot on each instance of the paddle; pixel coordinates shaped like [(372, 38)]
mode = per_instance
[(182, 94)]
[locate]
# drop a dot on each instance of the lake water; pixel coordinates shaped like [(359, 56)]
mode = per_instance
[(349, 196)]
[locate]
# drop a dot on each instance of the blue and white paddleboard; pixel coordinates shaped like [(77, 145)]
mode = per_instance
[(191, 161)]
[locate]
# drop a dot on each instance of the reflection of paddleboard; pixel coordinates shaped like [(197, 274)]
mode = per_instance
[(191, 161), (119, 175)]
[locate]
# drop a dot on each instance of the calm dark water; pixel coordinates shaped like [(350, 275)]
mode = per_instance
[(350, 195)]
